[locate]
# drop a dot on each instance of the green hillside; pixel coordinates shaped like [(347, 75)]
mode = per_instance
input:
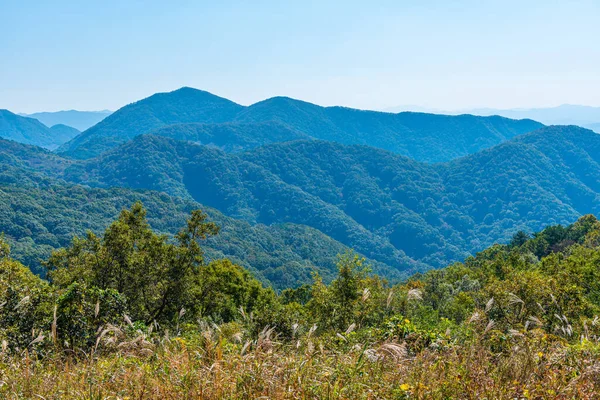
[(231, 137), (420, 136), (27, 130), (63, 133), (184, 105), (515, 321), (39, 212), (388, 207)]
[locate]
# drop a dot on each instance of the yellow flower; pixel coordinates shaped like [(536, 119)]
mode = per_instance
[(540, 354), (405, 387)]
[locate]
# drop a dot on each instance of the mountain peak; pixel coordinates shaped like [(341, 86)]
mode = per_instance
[(184, 105)]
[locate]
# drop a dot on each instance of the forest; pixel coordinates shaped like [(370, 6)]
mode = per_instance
[(288, 208), (131, 313)]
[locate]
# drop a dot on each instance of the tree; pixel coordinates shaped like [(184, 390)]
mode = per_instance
[(340, 304), (519, 239), (4, 249), (156, 276), (25, 302)]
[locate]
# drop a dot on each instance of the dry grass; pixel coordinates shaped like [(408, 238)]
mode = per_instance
[(208, 367)]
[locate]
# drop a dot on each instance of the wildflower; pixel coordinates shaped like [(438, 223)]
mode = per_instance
[(405, 387)]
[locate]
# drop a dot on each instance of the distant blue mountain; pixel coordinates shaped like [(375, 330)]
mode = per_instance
[(594, 127), (566, 114), (80, 120), (31, 131), (25, 130)]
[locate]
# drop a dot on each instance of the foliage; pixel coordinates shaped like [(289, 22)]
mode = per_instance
[(407, 215), (503, 324), (157, 278), (25, 303), (40, 213)]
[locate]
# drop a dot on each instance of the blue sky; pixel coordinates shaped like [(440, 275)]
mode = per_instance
[(104, 54)]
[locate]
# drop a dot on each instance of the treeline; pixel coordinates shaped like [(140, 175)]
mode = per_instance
[(518, 320), (132, 276)]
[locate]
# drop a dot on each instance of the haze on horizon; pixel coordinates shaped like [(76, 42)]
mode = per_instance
[(63, 54)]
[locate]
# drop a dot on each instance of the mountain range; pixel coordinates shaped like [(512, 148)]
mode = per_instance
[(31, 131), (424, 137), (293, 184), (80, 120), (40, 211), (566, 114), (401, 212)]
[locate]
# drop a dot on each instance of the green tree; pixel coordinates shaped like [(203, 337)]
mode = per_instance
[(157, 277), (25, 303), (340, 304)]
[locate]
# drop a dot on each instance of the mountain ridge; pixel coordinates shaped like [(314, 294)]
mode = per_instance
[(32, 189), (425, 137), (25, 130), (387, 206), (80, 120)]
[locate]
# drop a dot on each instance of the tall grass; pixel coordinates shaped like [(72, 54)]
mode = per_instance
[(215, 365)]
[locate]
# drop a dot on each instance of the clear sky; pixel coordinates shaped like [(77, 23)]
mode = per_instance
[(90, 55)]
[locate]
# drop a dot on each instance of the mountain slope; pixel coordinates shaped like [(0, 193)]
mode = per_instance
[(63, 133), (39, 212), (240, 189), (424, 137), (26, 130), (231, 137), (184, 105), (80, 120), (395, 210)]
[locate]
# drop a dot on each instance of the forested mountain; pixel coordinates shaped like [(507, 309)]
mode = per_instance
[(63, 133), (424, 137), (28, 131), (265, 168), (231, 136), (39, 212), (386, 206), (184, 105), (80, 120)]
